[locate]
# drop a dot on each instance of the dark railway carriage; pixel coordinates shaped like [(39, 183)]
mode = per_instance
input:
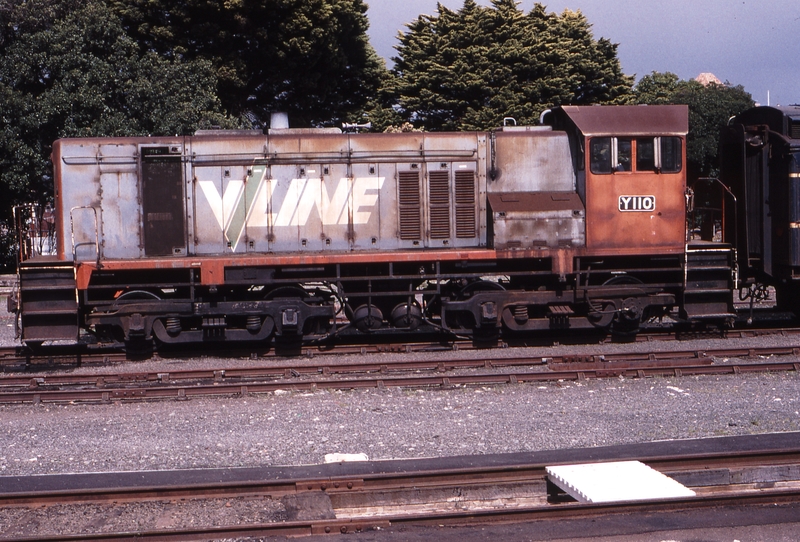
[(761, 166), (315, 234)]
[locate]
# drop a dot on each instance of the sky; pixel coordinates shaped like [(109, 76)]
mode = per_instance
[(753, 43)]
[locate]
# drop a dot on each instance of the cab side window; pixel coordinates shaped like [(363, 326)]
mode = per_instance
[(600, 155), (671, 154)]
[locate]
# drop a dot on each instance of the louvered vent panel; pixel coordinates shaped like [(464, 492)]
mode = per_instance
[(439, 204), (466, 227), (409, 205)]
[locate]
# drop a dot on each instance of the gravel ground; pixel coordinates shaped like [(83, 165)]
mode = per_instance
[(61, 520), (300, 428), (295, 428)]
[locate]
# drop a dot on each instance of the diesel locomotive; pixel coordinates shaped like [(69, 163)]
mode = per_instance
[(299, 235)]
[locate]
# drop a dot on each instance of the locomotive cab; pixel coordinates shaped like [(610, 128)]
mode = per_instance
[(630, 176)]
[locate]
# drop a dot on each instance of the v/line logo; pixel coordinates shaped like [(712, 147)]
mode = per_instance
[(291, 201)]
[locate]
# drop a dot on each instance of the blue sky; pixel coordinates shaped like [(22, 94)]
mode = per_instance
[(751, 43)]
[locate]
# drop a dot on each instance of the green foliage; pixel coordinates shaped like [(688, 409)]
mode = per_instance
[(468, 69), (710, 108), (309, 58), (71, 71)]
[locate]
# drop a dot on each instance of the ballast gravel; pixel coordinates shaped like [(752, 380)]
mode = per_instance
[(294, 428), (291, 428)]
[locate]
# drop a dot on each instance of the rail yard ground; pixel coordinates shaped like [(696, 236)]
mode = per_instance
[(294, 428), (298, 428)]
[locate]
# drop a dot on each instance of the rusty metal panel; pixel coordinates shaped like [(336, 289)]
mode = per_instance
[(466, 200), (368, 195), (630, 120), (80, 190), (311, 198), (392, 162), (409, 204), (209, 192), (121, 231), (525, 220), (532, 161), (228, 179), (632, 205), (439, 202), (98, 198), (455, 188), (224, 197), (641, 212)]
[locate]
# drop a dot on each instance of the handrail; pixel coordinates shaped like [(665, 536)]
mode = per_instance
[(35, 231), (96, 233)]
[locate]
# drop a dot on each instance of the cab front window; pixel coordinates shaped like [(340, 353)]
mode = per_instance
[(641, 154)]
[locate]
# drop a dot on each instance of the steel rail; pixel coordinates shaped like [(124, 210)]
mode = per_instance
[(294, 367), (419, 481), (381, 482), (82, 354), (582, 372)]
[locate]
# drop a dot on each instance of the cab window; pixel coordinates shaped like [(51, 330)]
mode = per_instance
[(624, 155), (654, 154), (671, 154), (600, 155), (645, 154)]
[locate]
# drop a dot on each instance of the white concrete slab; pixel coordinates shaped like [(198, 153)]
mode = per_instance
[(615, 482), (344, 458)]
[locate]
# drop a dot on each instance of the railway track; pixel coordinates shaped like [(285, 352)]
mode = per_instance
[(456, 492), (432, 372), (57, 355)]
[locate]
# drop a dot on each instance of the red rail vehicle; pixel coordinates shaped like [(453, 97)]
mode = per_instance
[(301, 235)]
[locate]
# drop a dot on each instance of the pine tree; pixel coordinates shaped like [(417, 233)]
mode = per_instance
[(469, 69)]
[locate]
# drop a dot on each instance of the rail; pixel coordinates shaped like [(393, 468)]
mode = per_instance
[(327, 374), (467, 491)]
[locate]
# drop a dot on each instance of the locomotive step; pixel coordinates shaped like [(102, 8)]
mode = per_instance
[(35, 312)]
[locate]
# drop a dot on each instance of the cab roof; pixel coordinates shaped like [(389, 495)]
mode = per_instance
[(629, 120)]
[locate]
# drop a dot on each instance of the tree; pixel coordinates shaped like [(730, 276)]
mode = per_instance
[(309, 58), (469, 69), (74, 72), (710, 108)]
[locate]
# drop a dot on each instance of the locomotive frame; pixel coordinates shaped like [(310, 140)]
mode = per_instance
[(314, 235)]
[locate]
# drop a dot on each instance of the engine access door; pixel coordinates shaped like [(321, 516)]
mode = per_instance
[(162, 201)]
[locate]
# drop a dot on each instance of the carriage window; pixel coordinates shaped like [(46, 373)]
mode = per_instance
[(600, 154)]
